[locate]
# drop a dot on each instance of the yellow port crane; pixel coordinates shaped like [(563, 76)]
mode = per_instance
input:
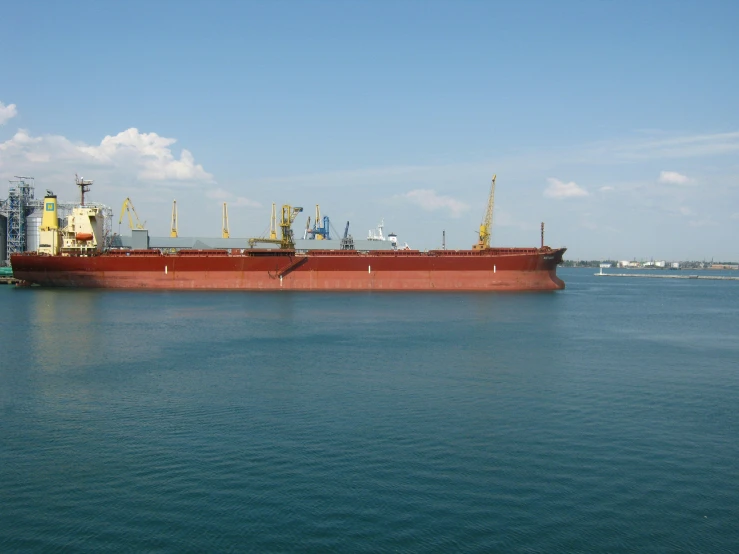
[(317, 234), (287, 242), (273, 223), (128, 208), (288, 216), (486, 226), (224, 226), (173, 227)]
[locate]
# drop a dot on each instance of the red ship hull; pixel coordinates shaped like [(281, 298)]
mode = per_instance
[(512, 269)]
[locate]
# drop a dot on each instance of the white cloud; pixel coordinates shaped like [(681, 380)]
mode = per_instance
[(673, 178), (246, 202), (606, 189), (695, 145), (703, 223), (430, 201), (735, 216), (222, 195), (128, 155), (7, 112), (559, 189), (506, 219), (151, 153), (219, 194), (661, 146)]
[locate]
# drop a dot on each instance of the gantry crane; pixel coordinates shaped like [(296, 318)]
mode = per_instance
[(287, 242), (321, 232), (173, 229), (224, 230), (128, 208), (289, 214), (487, 224), (347, 242)]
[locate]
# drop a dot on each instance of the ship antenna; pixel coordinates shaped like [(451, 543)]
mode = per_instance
[(84, 187)]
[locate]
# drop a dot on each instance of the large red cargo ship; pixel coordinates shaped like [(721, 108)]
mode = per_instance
[(72, 256), (512, 269)]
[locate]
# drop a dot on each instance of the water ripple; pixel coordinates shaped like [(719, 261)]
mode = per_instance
[(601, 419)]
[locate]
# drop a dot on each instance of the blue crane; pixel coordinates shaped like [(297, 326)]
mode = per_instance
[(321, 232)]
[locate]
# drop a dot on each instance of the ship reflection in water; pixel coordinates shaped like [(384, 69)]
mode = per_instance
[(63, 334)]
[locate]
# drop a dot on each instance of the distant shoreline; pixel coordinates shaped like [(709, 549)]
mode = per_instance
[(596, 265)]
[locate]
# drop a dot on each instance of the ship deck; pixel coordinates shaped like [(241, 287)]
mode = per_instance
[(264, 252)]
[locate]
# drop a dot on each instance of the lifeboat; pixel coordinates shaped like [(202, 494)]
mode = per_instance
[(83, 236)]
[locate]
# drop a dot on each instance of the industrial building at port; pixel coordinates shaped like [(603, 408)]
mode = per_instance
[(660, 264), (21, 214)]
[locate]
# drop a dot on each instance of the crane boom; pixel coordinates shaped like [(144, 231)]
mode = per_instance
[(128, 208), (289, 214), (287, 242), (487, 224), (173, 230)]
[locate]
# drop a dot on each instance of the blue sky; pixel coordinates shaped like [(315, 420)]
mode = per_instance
[(616, 123)]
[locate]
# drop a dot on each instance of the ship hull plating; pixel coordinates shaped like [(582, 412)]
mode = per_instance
[(512, 269)]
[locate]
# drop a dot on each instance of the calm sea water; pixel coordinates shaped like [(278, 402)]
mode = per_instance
[(602, 418)]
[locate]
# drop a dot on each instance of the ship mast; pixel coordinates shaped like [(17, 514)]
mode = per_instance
[(84, 187), (542, 234)]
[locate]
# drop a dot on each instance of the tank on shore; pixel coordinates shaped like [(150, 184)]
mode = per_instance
[(33, 224), (3, 239)]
